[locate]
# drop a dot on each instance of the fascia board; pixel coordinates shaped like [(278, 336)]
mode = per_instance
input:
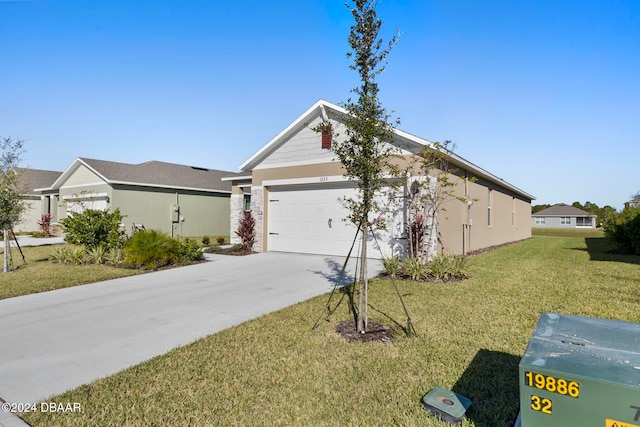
[(475, 170), (172, 187), (72, 168), (236, 178)]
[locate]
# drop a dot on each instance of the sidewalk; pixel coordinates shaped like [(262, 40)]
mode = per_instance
[(36, 241)]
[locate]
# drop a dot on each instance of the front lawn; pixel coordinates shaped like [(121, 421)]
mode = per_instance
[(277, 370), (39, 274)]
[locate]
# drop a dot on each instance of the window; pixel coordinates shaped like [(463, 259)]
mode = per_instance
[(540, 220), (565, 220), (583, 221)]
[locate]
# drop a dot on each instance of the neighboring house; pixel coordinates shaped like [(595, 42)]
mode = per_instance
[(30, 179), (176, 199), (297, 186), (563, 216), (635, 203)]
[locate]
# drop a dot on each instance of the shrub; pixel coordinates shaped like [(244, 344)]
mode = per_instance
[(236, 249), (220, 240), (59, 254), (392, 266), (246, 231), (69, 255), (441, 268), (206, 240), (447, 267), (414, 269), (152, 249), (624, 231), (97, 255), (115, 256), (189, 251), (92, 228), (45, 224)]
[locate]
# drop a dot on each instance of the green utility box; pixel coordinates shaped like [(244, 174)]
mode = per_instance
[(581, 371)]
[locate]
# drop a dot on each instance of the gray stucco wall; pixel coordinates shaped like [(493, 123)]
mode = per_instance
[(200, 214), (555, 222)]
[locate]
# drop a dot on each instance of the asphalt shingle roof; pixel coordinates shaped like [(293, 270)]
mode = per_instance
[(31, 179), (161, 174), (562, 210)]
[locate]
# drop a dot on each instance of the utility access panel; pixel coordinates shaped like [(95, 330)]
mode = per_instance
[(581, 371)]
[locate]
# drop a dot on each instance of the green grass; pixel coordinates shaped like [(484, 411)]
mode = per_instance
[(39, 274), (277, 370), (568, 232)]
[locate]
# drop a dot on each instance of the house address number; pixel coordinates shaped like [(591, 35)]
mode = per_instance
[(552, 384), (324, 179)]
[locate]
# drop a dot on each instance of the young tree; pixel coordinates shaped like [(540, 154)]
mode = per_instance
[(426, 198), (11, 203), (366, 152)]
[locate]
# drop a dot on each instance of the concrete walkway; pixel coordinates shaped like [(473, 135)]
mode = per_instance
[(59, 340), (27, 240)]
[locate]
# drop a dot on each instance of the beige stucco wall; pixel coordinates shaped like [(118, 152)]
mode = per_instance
[(467, 228), (462, 228), (30, 216)]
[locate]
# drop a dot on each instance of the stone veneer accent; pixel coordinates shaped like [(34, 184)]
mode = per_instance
[(257, 204), (236, 205)]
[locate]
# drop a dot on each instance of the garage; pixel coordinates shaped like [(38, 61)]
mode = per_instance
[(310, 219), (78, 203)]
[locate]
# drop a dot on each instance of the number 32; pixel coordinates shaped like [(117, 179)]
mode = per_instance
[(541, 404)]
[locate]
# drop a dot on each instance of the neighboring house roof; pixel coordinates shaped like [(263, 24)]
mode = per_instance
[(30, 179), (152, 174), (562, 210), (403, 139)]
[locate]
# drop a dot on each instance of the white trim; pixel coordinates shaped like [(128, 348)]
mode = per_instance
[(236, 178), (141, 184), (302, 181), (298, 163), (93, 184), (172, 187), (86, 196), (293, 126)]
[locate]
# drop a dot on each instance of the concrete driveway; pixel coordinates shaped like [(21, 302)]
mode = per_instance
[(58, 340)]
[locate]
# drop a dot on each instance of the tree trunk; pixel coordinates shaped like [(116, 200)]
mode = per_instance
[(6, 250), (363, 300)]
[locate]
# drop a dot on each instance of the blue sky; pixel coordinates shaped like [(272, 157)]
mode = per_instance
[(542, 93)]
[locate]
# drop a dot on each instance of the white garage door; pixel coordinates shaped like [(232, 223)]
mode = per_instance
[(310, 219)]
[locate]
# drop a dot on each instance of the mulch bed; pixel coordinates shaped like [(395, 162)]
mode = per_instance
[(376, 332)]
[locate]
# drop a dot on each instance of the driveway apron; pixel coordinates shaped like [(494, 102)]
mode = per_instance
[(55, 341)]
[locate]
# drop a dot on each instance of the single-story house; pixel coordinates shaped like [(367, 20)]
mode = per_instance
[(176, 199), (297, 186), (563, 216), (631, 204), (30, 179)]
